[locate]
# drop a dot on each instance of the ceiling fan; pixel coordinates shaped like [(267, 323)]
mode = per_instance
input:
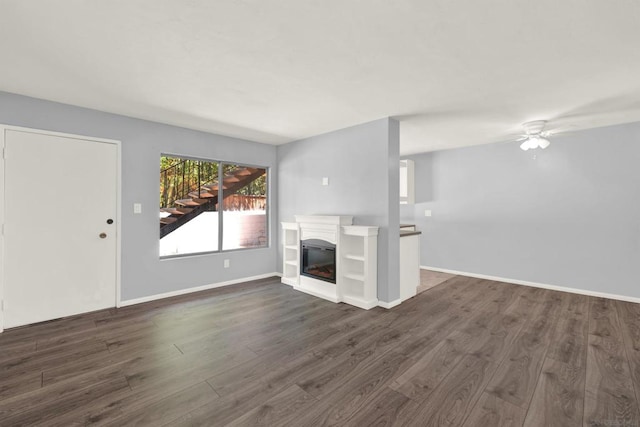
[(535, 136)]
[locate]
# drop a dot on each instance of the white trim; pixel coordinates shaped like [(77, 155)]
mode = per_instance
[(2, 144), (118, 223), (196, 289), (366, 305), (60, 134), (289, 281), (536, 285), (118, 219), (388, 305)]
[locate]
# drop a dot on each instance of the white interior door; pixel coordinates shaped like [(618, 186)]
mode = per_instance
[(60, 252)]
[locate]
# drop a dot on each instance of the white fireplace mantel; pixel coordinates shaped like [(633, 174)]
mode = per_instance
[(324, 219), (356, 258), (322, 227)]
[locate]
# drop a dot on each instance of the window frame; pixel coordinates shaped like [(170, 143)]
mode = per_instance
[(220, 212)]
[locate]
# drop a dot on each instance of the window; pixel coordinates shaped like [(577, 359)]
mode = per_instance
[(407, 191), (198, 215)]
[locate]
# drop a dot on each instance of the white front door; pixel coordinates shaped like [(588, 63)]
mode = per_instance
[(60, 206)]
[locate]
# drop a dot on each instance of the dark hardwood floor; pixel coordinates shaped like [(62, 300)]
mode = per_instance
[(467, 352)]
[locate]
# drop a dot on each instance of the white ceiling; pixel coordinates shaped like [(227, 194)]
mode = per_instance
[(455, 73)]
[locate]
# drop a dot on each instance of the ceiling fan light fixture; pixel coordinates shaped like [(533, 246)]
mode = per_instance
[(535, 127), (534, 136), (529, 144), (533, 142)]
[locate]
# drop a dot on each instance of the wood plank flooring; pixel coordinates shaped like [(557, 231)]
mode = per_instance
[(467, 352), (430, 278)]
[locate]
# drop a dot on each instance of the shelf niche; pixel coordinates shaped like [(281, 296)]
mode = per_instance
[(359, 272)]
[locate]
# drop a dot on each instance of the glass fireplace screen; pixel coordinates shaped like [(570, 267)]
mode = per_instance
[(318, 260)]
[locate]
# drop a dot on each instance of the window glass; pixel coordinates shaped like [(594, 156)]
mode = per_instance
[(244, 223), (190, 199)]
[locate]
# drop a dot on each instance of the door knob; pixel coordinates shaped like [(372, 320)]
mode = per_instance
[(103, 235)]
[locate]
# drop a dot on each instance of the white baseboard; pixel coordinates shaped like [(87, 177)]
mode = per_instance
[(357, 302), (391, 304), (196, 289), (536, 285)]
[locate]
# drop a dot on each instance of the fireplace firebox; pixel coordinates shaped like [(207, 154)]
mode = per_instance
[(318, 260)]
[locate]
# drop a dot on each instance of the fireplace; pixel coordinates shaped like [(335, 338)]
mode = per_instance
[(318, 260), (328, 257)]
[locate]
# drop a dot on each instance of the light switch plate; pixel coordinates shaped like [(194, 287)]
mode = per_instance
[(137, 208), (427, 212), (227, 263), (325, 180)]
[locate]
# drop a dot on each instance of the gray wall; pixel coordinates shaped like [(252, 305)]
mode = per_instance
[(567, 216), (362, 165), (393, 191), (143, 273)]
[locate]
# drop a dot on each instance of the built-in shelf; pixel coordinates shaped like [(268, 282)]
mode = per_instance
[(359, 271), (354, 257), (290, 261), (353, 276)]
